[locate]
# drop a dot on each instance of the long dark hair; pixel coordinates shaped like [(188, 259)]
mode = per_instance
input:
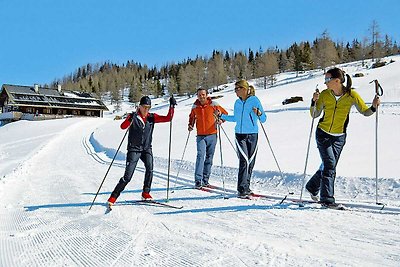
[(338, 73)]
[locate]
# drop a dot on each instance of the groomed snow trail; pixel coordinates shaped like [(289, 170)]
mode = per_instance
[(45, 220)]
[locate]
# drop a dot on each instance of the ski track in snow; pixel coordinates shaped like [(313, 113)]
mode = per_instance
[(63, 233)]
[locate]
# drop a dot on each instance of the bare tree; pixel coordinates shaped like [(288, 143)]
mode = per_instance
[(267, 66), (216, 71), (324, 51), (172, 85), (376, 45), (187, 80), (240, 66)]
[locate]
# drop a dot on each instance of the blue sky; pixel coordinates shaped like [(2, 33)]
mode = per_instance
[(42, 40)]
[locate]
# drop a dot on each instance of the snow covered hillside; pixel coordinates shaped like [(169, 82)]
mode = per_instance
[(51, 170)]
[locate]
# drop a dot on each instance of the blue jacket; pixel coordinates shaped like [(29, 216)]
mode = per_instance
[(244, 116)]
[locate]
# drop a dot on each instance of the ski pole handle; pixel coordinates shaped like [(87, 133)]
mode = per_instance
[(316, 92), (378, 88)]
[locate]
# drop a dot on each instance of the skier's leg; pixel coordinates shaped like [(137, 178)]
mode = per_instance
[(252, 147), (131, 162), (324, 143), (201, 151), (211, 141), (147, 158), (243, 163), (313, 185)]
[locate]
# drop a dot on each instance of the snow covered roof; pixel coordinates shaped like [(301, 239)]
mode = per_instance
[(44, 97)]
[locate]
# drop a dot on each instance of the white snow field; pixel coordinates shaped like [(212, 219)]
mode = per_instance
[(51, 170)]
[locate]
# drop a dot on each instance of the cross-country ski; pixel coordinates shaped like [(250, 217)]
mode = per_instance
[(154, 203)]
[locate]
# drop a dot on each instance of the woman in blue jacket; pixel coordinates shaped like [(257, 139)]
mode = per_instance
[(247, 111)]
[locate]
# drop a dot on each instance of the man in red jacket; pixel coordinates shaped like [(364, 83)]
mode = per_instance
[(202, 114), (141, 123)]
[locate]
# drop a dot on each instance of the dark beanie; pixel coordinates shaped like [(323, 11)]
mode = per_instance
[(145, 100)]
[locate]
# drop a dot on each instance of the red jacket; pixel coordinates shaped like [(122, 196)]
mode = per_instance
[(141, 128), (203, 116), (157, 118)]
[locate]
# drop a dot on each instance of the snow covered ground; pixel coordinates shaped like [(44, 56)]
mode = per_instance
[(51, 170)]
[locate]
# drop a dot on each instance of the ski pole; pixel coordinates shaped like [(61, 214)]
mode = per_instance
[(378, 92), (109, 167), (308, 147), (222, 161), (181, 162), (169, 157), (276, 161), (227, 137)]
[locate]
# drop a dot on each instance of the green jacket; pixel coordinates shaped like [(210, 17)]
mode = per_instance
[(336, 112)]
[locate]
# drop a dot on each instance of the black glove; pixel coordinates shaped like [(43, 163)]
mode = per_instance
[(172, 101)]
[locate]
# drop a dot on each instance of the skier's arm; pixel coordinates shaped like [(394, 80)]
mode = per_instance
[(259, 111), (316, 105), (167, 118), (192, 120), (362, 107), (127, 122), (222, 110)]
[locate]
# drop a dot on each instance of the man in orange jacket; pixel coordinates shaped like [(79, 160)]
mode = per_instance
[(202, 114)]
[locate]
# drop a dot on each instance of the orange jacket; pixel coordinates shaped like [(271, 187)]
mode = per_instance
[(203, 116)]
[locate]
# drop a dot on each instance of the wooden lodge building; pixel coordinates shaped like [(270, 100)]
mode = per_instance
[(34, 103)]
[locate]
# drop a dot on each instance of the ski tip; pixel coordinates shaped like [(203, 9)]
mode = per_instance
[(108, 208)]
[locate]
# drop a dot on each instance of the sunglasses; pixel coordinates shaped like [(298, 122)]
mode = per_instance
[(238, 88), (328, 79)]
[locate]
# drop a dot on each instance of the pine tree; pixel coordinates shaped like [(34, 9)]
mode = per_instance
[(283, 61), (396, 49), (251, 63), (295, 58), (116, 99), (388, 46), (306, 56)]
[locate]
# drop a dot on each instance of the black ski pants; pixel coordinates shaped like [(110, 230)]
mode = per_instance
[(247, 151), (323, 181), (132, 159)]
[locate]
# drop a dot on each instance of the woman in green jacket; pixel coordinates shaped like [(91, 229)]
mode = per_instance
[(335, 102)]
